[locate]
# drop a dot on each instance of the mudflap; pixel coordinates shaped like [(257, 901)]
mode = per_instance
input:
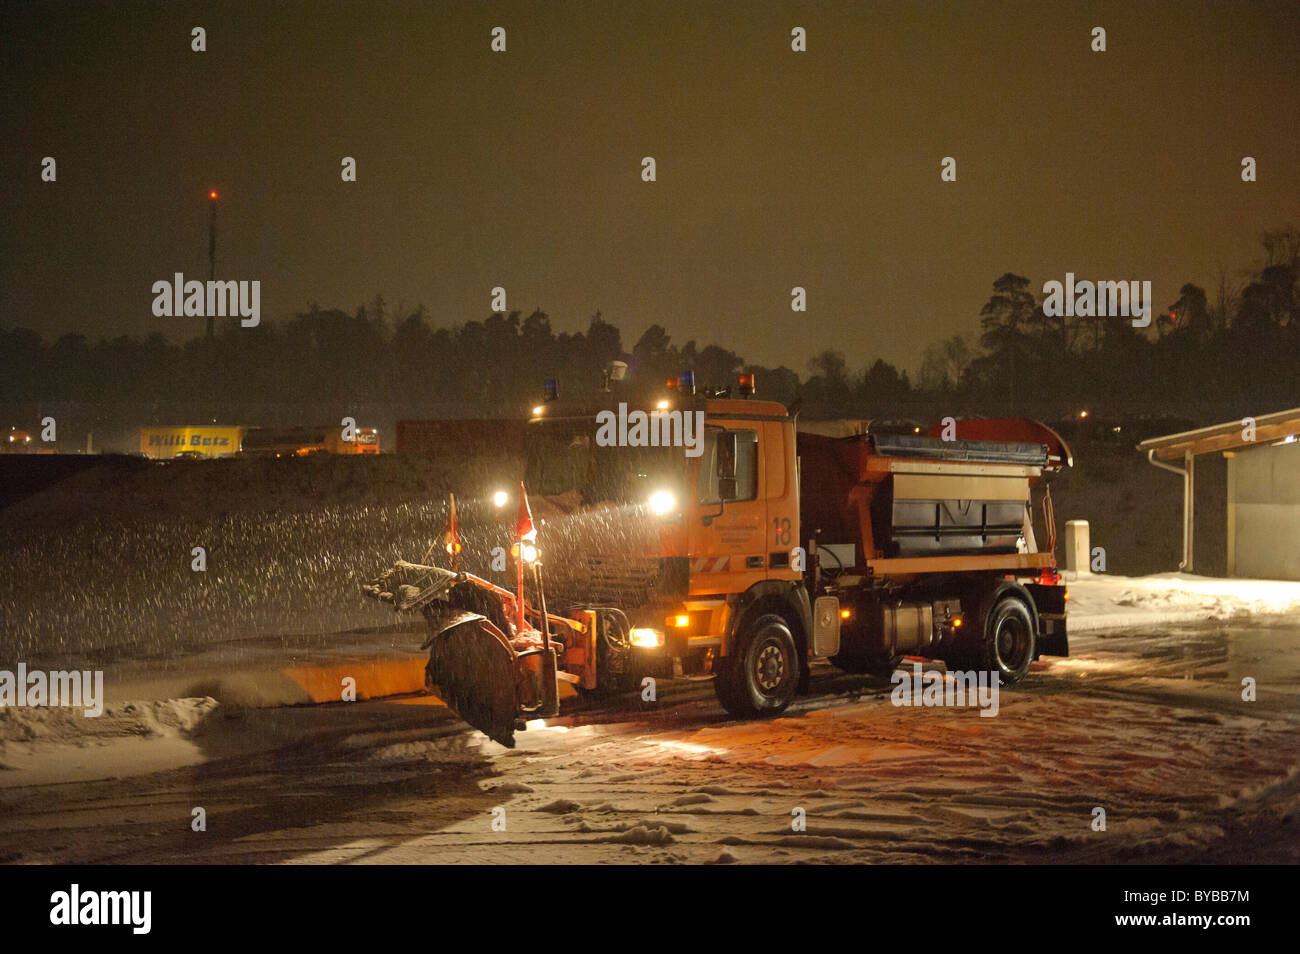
[(475, 671), (1049, 605), (1052, 638)]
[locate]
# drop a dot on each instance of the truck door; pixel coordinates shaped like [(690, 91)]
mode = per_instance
[(728, 540), (781, 498)]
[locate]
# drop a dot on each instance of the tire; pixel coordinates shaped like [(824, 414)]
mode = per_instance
[(762, 676), (725, 681), (1007, 647), (865, 665)]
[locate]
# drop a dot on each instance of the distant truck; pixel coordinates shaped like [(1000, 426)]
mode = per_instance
[(17, 442), (305, 441)]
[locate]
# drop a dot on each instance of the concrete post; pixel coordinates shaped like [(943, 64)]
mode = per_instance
[(1078, 546), (1189, 512)]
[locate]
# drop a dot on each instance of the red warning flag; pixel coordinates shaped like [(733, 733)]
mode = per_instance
[(524, 529), (451, 536)]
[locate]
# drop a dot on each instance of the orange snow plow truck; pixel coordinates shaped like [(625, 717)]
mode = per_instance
[(745, 546)]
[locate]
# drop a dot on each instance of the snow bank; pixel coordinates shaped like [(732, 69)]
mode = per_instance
[(1099, 601), (136, 719), (46, 746)]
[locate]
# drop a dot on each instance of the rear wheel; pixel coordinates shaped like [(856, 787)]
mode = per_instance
[(761, 677), (1008, 644)]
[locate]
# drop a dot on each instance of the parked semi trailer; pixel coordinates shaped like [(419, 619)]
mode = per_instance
[(191, 440), (758, 552), (307, 441)]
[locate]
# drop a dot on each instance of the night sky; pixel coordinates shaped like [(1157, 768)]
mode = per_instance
[(522, 169)]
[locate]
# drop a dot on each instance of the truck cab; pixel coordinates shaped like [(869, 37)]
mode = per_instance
[(687, 537)]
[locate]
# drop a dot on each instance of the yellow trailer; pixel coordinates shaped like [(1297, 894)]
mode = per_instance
[(189, 440)]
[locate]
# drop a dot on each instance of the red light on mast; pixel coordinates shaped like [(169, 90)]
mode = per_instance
[(212, 195)]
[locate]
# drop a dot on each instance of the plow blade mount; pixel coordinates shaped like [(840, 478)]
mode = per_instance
[(490, 679), (482, 678)]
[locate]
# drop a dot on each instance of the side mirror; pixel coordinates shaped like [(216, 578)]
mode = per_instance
[(727, 447), (728, 450)]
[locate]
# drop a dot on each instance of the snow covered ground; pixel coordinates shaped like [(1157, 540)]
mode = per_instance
[(1146, 719), (1149, 725), (1104, 602)]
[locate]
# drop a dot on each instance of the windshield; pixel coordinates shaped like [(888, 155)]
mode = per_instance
[(563, 457)]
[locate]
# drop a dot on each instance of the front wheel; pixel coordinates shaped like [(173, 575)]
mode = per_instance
[(761, 677)]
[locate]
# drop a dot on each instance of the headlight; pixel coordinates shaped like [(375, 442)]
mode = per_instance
[(662, 502), (529, 553), (647, 638)]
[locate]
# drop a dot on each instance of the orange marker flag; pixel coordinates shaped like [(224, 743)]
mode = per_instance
[(524, 528), (451, 536)]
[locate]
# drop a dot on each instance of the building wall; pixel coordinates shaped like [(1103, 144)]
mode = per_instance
[(1264, 513), (432, 438), (1135, 511)]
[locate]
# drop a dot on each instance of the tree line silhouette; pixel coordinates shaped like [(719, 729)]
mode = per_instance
[(1237, 350)]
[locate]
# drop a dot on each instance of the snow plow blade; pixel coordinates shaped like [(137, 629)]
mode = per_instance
[(473, 666), (473, 669)]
